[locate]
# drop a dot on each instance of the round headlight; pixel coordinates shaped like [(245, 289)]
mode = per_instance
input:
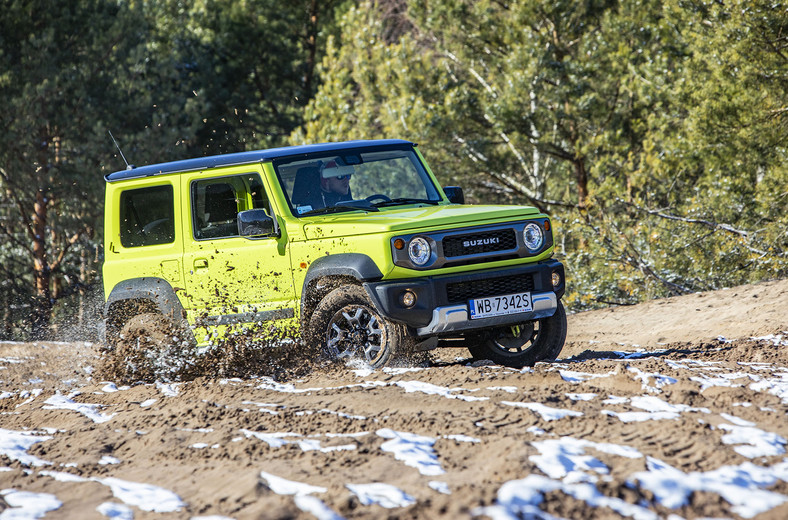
[(533, 236), (419, 251)]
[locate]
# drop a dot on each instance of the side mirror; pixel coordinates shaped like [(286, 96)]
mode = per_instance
[(255, 222), (454, 194)]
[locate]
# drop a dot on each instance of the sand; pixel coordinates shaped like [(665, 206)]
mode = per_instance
[(673, 407)]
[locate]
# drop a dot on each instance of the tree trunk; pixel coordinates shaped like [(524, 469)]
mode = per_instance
[(311, 46), (581, 176), (83, 282), (7, 329), (42, 304)]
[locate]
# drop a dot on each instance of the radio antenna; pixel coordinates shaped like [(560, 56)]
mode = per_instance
[(128, 166)]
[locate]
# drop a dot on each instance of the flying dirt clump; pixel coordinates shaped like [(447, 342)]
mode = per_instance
[(282, 355), (151, 348)]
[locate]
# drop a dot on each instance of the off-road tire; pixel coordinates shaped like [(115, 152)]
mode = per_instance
[(150, 347), (524, 344), (346, 325)]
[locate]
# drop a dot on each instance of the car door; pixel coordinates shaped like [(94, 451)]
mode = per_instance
[(233, 281)]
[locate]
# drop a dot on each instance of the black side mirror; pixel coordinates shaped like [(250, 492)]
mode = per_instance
[(255, 222), (454, 194)]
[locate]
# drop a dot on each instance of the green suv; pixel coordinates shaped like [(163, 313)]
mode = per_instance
[(355, 245)]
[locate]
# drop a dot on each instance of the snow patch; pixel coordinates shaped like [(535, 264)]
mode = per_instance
[(282, 486), (430, 389), (462, 438), (315, 507), (753, 442), (646, 377), (521, 498), (565, 458), (384, 495), (571, 376), (414, 450), (144, 496), (116, 511), (440, 487), (547, 413), (62, 476), (59, 402), (168, 389), (741, 486), (25, 505), (14, 445)]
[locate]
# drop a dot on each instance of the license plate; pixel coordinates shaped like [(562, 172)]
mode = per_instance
[(500, 305)]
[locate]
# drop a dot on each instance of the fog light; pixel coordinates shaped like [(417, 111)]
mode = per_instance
[(556, 279), (408, 299)]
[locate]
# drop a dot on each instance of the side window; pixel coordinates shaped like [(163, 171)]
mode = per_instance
[(216, 203), (147, 216)]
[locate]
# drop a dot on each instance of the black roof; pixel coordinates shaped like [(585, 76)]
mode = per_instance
[(231, 159)]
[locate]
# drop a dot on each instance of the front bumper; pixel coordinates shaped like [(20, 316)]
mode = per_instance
[(442, 301)]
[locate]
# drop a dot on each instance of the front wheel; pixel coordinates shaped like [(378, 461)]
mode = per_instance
[(524, 344), (345, 325)]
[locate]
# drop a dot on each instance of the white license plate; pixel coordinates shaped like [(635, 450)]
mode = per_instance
[(500, 305)]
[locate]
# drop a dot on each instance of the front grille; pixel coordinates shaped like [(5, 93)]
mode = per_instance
[(457, 292), (478, 243)]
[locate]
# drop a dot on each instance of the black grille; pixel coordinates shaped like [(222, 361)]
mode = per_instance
[(463, 291), (482, 242)]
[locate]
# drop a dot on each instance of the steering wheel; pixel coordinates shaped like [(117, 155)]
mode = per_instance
[(384, 198)]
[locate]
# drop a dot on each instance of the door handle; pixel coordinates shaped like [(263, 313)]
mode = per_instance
[(200, 263)]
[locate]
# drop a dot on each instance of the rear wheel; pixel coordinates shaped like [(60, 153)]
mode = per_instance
[(524, 344), (345, 325), (149, 347)]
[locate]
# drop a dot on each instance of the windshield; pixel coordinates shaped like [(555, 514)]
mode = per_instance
[(350, 180)]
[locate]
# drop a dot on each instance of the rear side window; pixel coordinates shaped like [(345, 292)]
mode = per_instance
[(147, 216)]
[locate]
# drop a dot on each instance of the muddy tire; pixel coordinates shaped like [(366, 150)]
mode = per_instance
[(524, 344), (346, 326), (149, 348)]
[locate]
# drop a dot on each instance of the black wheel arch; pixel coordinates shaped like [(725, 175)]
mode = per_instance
[(330, 271), (137, 296)]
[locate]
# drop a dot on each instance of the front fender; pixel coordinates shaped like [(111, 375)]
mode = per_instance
[(357, 266)]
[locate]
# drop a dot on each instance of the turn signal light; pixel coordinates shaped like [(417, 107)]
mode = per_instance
[(399, 244)]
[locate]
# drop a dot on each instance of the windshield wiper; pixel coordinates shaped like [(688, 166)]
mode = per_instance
[(345, 205), (405, 200)]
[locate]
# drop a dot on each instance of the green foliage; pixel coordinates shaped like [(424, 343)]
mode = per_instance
[(57, 93), (169, 79), (654, 133)]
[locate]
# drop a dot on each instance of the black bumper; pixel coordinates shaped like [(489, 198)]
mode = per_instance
[(452, 292)]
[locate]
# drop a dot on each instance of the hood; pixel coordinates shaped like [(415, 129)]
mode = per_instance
[(427, 218)]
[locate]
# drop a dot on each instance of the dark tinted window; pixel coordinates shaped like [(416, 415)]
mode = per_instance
[(147, 216), (216, 203)]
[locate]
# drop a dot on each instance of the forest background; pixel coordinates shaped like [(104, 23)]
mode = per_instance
[(653, 132)]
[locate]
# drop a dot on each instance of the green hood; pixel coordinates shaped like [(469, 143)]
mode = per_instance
[(426, 218)]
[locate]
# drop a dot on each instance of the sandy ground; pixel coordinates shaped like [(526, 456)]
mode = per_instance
[(674, 407)]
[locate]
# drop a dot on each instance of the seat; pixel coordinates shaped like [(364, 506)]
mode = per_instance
[(221, 211), (306, 188)]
